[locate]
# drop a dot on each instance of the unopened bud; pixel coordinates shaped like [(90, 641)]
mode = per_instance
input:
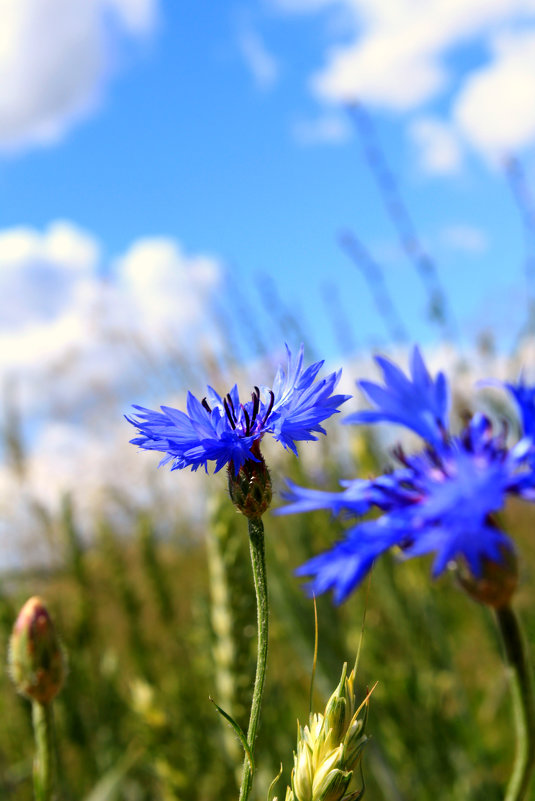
[(497, 582), (250, 490), (36, 661), (333, 785), (339, 709)]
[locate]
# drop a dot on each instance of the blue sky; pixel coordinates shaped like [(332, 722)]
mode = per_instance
[(223, 127), (166, 167)]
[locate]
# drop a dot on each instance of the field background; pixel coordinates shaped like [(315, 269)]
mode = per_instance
[(157, 614), (185, 188)]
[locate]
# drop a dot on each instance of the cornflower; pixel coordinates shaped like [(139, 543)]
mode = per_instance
[(226, 431), (442, 499)]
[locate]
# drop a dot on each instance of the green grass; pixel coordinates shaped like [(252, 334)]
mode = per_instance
[(154, 628)]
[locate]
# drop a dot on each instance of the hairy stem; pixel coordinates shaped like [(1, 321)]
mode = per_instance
[(44, 761)]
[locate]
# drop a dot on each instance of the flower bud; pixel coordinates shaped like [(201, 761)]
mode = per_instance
[(354, 741), (339, 710), (332, 786), (36, 661), (497, 582), (250, 490)]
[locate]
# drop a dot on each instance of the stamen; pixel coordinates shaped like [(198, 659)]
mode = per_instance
[(229, 415), (270, 407), (435, 459), (247, 421), (206, 405), (399, 454), (256, 404), (231, 405)]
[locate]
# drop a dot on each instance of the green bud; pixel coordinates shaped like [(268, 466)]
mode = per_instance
[(497, 582), (354, 742), (250, 490), (332, 785), (339, 709), (36, 661)]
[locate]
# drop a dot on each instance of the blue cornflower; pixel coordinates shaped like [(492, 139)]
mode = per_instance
[(441, 499), (226, 431), (420, 404), (524, 396)]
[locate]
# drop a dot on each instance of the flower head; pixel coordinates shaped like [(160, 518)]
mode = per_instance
[(440, 500), (36, 658), (419, 402), (524, 396), (226, 431)]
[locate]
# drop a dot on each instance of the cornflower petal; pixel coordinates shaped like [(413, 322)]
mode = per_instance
[(418, 403), (343, 567), (524, 396), (357, 498), (223, 430)]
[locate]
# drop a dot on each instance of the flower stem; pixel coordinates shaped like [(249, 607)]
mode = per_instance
[(44, 761), (523, 702), (256, 545)]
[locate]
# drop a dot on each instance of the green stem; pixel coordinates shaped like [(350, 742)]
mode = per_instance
[(256, 545), (523, 703), (44, 761)]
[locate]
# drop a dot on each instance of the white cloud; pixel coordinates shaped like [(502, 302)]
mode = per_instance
[(40, 274), (55, 57), (262, 64), (401, 56), (466, 238), (495, 109), (74, 334), (396, 58), (76, 350), (438, 145), (365, 71), (330, 128)]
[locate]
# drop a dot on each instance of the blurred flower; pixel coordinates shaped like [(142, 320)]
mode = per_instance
[(226, 431), (36, 659), (524, 396), (420, 404), (440, 500)]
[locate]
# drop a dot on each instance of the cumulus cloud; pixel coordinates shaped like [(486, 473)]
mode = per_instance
[(55, 58), (396, 58), (76, 334), (495, 109), (261, 63), (438, 145), (402, 56), (76, 349)]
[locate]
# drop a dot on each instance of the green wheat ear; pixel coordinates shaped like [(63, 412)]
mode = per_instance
[(329, 748)]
